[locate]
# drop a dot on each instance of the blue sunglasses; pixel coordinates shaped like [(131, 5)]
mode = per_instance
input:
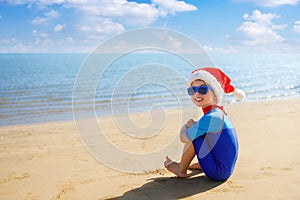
[(203, 89)]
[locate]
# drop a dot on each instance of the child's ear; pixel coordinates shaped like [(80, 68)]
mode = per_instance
[(215, 98)]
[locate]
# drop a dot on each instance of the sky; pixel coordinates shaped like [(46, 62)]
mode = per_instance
[(78, 26)]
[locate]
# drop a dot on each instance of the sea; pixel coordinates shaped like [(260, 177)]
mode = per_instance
[(38, 88)]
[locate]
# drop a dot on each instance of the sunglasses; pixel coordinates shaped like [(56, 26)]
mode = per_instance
[(203, 89)]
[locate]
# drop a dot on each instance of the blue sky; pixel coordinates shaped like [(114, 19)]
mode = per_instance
[(218, 25)]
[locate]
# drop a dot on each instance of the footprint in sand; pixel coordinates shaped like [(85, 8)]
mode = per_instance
[(292, 164), (64, 189), (12, 176), (229, 187), (23, 176), (285, 169), (31, 196), (267, 171)]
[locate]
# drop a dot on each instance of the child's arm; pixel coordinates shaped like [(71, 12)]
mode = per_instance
[(212, 123), (187, 125)]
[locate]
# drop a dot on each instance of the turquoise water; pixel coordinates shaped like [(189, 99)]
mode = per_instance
[(39, 87)]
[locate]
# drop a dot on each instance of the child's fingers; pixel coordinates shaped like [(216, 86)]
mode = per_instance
[(190, 123)]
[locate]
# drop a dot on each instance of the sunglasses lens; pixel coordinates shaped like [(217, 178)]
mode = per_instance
[(191, 91), (203, 90)]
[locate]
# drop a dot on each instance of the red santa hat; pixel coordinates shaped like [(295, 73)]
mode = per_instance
[(218, 81)]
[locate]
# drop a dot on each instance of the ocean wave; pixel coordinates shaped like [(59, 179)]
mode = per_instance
[(35, 87)]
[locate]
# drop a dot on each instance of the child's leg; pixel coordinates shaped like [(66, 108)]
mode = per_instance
[(195, 166), (180, 169), (217, 162)]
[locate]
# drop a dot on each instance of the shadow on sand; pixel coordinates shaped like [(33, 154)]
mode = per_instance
[(166, 188)]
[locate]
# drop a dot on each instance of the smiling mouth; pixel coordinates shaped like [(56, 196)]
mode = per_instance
[(198, 100)]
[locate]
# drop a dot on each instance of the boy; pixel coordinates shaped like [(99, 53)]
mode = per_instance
[(213, 138)]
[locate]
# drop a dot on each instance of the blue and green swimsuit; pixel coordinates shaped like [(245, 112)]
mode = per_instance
[(215, 142)]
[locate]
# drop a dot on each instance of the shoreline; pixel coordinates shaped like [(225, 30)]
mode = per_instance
[(49, 161), (66, 118)]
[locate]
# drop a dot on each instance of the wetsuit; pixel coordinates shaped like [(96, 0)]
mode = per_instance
[(215, 142)]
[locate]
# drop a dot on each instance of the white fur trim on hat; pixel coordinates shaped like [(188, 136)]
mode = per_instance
[(239, 94), (210, 80)]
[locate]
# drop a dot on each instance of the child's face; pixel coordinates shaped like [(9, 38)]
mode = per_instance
[(203, 100)]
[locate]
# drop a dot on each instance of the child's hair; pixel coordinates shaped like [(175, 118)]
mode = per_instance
[(200, 80)]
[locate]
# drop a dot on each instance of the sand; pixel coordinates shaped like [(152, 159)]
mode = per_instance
[(49, 161)]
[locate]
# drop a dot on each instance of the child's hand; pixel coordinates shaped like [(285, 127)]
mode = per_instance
[(190, 123), (187, 125)]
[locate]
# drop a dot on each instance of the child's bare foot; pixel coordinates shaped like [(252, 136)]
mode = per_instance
[(174, 168), (195, 166)]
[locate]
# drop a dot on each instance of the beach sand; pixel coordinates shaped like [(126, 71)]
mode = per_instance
[(48, 161)]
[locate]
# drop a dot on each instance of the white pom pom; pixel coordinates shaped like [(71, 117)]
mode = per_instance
[(239, 94)]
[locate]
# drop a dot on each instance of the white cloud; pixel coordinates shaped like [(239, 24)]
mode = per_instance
[(70, 40), (114, 16), (40, 35), (259, 29), (52, 14), (131, 13), (95, 20), (270, 3), (211, 48), (8, 41), (58, 27), (121, 11), (48, 16), (20, 48), (38, 20), (66, 41), (12, 45), (41, 39), (260, 17), (97, 29), (296, 27), (255, 33), (40, 4), (102, 26), (174, 5)]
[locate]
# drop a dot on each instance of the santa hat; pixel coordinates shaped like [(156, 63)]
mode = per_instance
[(219, 82)]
